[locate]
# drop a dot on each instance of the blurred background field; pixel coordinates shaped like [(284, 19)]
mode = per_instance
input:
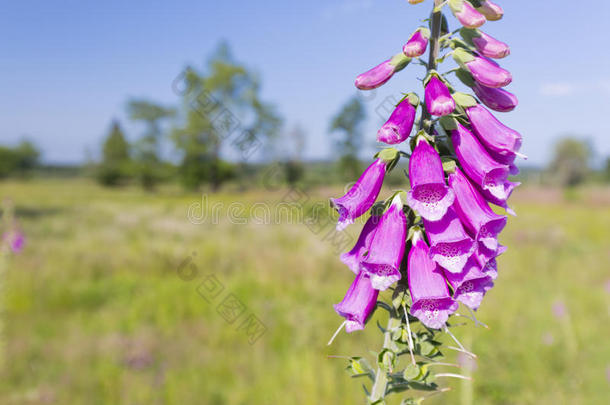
[(96, 310)]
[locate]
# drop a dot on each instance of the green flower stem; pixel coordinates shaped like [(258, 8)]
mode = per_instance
[(381, 377), (434, 48)]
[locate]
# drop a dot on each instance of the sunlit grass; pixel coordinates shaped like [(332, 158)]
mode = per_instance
[(97, 313)]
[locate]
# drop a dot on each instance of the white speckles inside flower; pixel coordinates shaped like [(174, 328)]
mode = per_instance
[(430, 194)]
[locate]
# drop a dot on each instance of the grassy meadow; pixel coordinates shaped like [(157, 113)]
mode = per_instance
[(117, 299)]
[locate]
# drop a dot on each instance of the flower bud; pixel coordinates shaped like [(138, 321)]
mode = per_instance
[(398, 127), (361, 196), (501, 142), (466, 14), (358, 303), (485, 44), (438, 99), (417, 44), (415, 1), (490, 10), (497, 99), (483, 70), (381, 73)]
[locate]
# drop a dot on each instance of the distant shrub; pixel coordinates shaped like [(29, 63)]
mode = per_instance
[(19, 160)]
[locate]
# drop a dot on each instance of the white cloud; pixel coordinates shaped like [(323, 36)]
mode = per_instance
[(346, 7), (557, 89)]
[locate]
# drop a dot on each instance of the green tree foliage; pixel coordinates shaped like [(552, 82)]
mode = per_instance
[(115, 166), (347, 124), (19, 160), (148, 165), (221, 104), (571, 161), (293, 167), (606, 170)]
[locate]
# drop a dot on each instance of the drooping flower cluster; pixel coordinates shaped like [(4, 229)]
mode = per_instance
[(439, 238)]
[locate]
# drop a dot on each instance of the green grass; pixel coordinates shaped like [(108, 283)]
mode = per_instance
[(95, 311)]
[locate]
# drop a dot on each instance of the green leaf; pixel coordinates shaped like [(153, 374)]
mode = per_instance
[(462, 56), (427, 348), (448, 122), (399, 61), (449, 165), (412, 372), (464, 100), (465, 77), (386, 359)]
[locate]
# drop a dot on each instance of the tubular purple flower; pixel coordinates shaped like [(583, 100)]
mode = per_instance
[(387, 247), (509, 187), (466, 14), (490, 10), (358, 303), (353, 258), (497, 99), (429, 194), (361, 196), (502, 142), (15, 240), (485, 44), (432, 303), (398, 127), (480, 167), (474, 212), (381, 73), (471, 284), (417, 44), (438, 99), (487, 259), (483, 70), (450, 245)]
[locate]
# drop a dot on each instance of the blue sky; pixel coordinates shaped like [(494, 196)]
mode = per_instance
[(68, 67)]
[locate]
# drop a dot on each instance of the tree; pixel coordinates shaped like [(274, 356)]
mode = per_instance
[(148, 163), (19, 160), (115, 165), (348, 124), (294, 164), (212, 102), (571, 161)]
